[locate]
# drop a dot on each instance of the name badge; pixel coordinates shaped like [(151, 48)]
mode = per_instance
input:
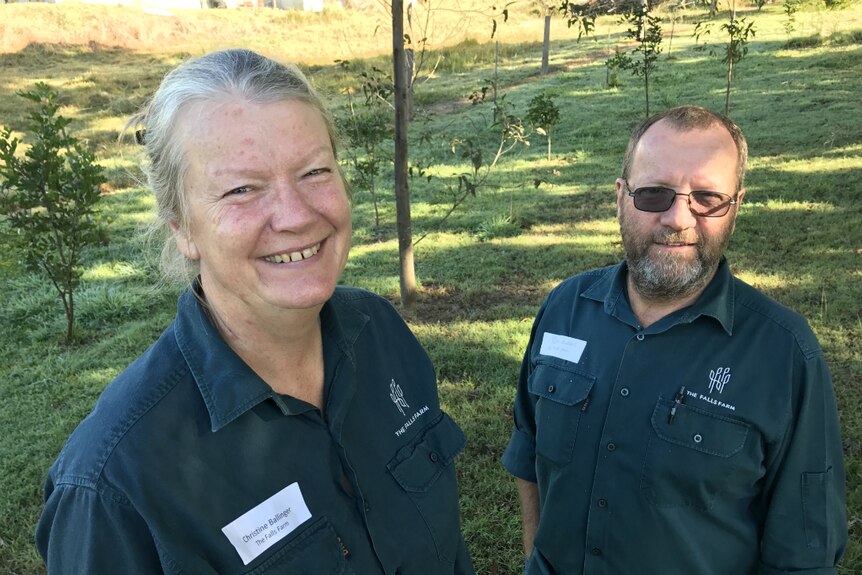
[(563, 347), (263, 526)]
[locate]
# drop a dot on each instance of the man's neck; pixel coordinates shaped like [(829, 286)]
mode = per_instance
[(650, 310)]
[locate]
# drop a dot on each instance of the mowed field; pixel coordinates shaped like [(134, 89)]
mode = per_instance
[(484, 271)]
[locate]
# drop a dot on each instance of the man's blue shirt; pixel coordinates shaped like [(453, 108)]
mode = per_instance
[(747, 475)]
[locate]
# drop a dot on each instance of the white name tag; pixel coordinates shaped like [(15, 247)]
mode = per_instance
[(564, 347), (263, 526)]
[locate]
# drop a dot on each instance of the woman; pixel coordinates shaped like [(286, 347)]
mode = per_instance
[(281, 424)]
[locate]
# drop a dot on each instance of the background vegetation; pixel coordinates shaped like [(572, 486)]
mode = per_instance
[(484, 273)]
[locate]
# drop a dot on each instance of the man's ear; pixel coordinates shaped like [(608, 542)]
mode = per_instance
[(739, 195), (185, 243), (620, 193)]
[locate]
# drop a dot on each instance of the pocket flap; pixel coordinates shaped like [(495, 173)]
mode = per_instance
[(560, 384), (416, 466), (698, 429)]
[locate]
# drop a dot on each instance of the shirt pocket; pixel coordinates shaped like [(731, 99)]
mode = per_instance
[(692, 460), (316, 549), (425, 472), (560, 395)]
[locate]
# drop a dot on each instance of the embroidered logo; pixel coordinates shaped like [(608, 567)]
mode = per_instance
[(398, 397), (718, 378)]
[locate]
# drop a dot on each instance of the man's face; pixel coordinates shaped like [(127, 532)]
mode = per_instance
[(673, 254)]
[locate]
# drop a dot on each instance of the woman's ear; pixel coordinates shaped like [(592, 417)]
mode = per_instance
[(185, 243)]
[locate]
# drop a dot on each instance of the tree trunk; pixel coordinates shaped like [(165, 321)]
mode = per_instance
[(729, 82), (402, 192), (646, 91), (546, 44), (408, 71), (496, 63)]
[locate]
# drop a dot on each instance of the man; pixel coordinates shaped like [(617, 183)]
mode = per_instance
[(671, 419)]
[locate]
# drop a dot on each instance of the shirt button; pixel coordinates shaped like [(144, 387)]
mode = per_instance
[(551, 389), (612, 446), (697, 438), (624, 392), (596, 551), (367, 507), (640, 337), (603, 502), (433, 457)]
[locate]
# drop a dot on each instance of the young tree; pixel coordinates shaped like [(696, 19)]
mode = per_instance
[(367, 127), (583, 15), (791, 7), (48, 197), (738, 33), (543, 114), (509, 133), (645, 30)]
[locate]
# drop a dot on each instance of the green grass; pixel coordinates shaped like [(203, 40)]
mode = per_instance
[(485, 271)]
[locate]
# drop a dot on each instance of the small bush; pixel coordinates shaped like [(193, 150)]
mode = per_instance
[(48, 198), (499, 226), (813, 41), (847, 38)]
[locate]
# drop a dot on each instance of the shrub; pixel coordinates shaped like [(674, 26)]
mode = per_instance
[(48, 198)]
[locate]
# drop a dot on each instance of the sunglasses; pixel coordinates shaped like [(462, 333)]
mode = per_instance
[(701, 203)]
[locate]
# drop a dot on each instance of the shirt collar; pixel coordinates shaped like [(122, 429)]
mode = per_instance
[(716, 301), (228, 386)]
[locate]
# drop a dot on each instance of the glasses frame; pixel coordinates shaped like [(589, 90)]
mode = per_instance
[(732, 201)]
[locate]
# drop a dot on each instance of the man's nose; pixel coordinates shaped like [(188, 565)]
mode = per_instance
[(679, 216)]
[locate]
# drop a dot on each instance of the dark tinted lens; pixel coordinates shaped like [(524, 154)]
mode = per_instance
[(710, 203), (653, 199)]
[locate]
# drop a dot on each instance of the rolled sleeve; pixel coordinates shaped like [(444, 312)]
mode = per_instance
[(519, 459), (806, 523), (85, 530)]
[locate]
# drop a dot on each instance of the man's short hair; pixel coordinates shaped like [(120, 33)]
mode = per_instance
[(684, 119)]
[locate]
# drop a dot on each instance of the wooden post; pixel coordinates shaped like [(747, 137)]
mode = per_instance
[(546, 44), (402, 192)]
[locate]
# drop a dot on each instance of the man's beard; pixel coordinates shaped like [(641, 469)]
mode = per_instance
[(667, 276)]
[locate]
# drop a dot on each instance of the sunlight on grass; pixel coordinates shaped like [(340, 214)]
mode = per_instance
[(764, 281), (820, 164), (119, 163), (358, 251), (785, 206), (505, 339), (107, 124), (111, 271)]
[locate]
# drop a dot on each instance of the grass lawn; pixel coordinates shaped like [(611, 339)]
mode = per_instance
[(485, 270)]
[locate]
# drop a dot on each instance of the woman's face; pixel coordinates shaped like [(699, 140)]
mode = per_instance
[(268, 214)]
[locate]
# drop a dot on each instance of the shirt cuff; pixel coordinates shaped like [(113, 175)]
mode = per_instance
[(519, 459)]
